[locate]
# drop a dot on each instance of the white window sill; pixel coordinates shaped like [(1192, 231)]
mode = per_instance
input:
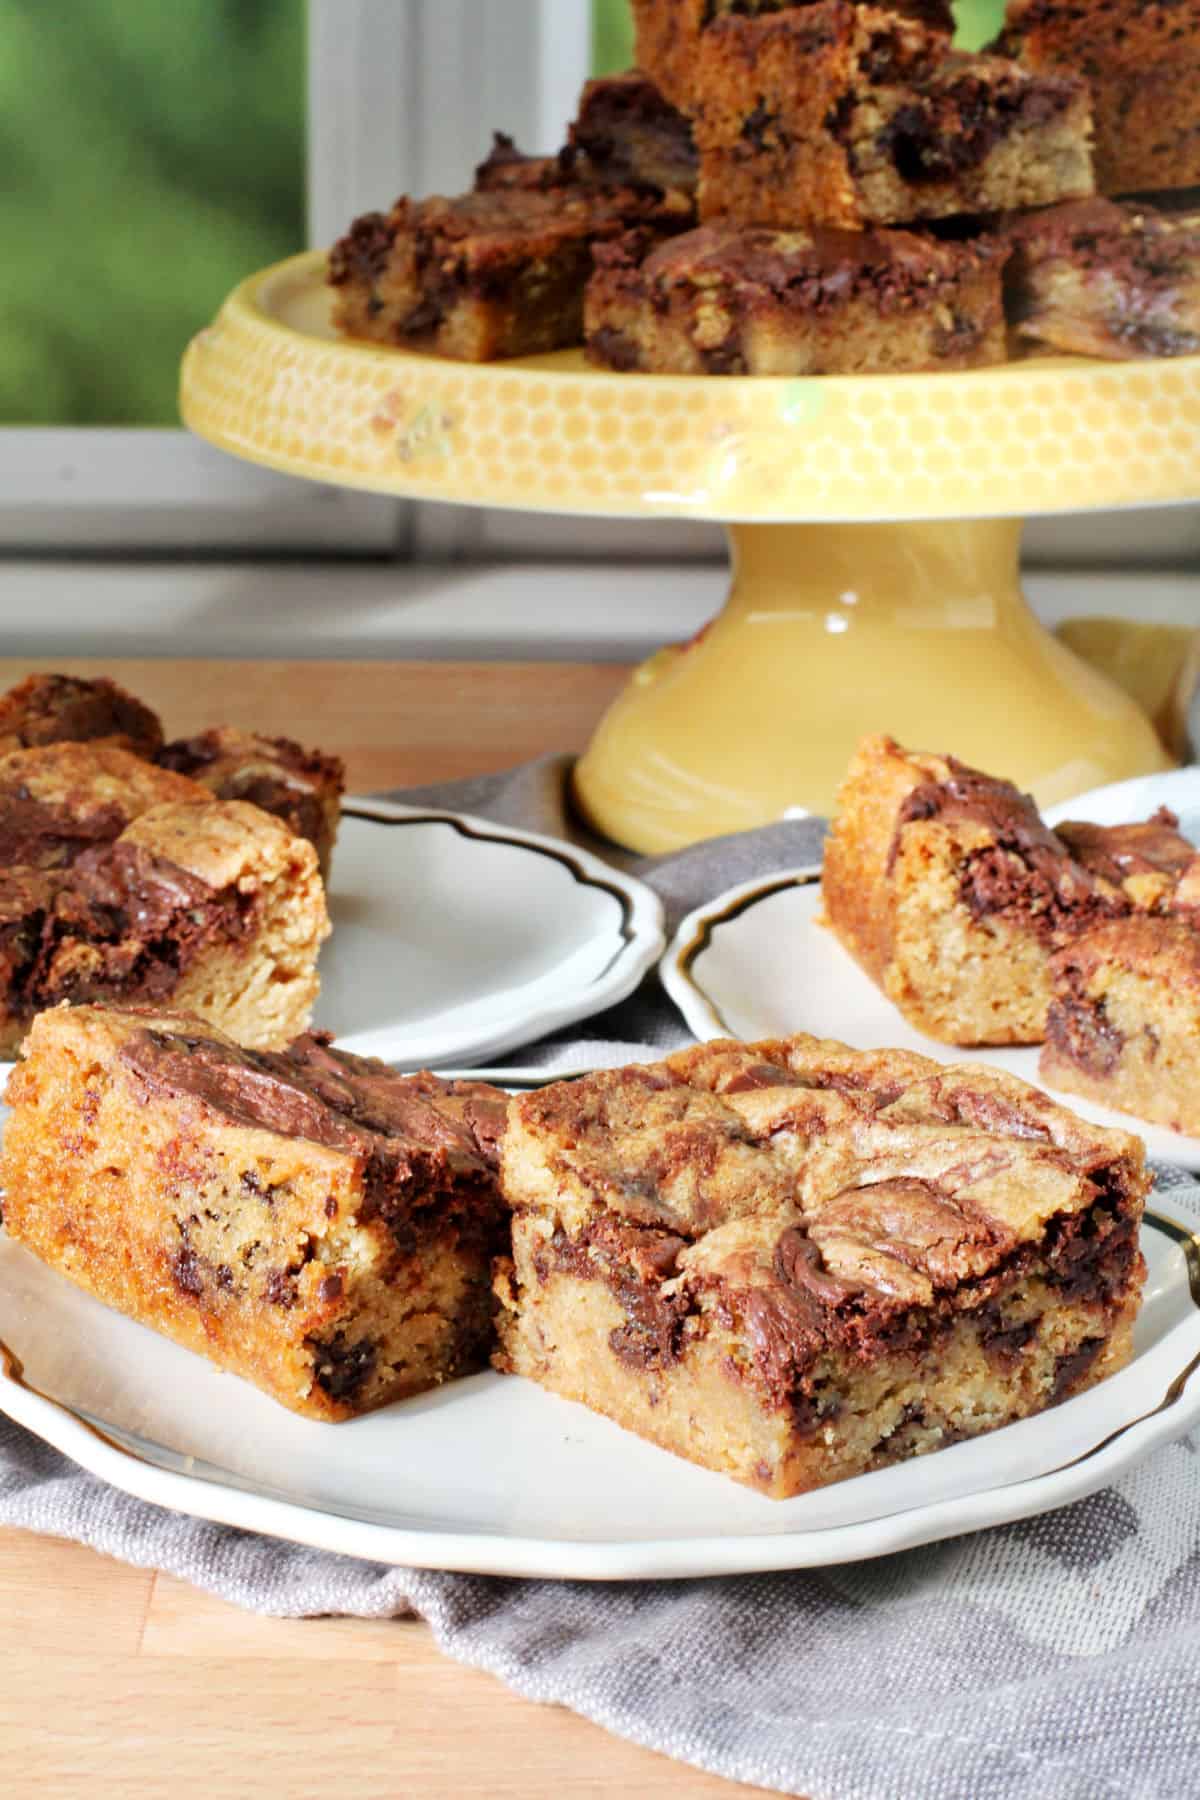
[(560, 612)]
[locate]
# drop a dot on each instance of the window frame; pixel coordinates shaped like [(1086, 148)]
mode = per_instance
[(402, 95), (158, 489)]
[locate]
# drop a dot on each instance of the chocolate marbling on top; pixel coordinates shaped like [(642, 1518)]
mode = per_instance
[(1058, 881), (408, 1126), (37, 834), (1154, 846), (51, 709), (1030, 871), (224, 743), (832, 262), (120, 921), (628, 134), (968, 795)]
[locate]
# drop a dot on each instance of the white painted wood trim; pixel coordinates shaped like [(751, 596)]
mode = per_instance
[(366, 109), (510, 65), (129, 490), (609, 611)]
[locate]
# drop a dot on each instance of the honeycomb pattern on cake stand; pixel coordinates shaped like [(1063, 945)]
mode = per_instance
[(874, 523)]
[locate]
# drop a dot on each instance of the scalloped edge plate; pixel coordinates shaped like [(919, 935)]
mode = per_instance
[(455, 937), (493, 1475), (754, 963)]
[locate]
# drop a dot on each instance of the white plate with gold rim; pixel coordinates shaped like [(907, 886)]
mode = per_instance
[(756, 963), (492, 1474), (455, 938)]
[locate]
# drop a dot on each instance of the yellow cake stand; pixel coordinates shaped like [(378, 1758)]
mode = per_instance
[(874, 523)]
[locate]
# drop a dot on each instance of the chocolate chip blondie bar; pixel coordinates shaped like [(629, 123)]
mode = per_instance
[(209, 905), (1142, 63), (309, 1220), (495, 273), (1123, 1027), (301, 787), (950, 891), (728, 301), (58, 799), (984, 926), (669, 33), (626, 134), (834, 114), (52, 709), (792, 1262), (1104, 279)]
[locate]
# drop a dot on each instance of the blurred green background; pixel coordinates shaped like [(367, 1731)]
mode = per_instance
[(152, 156)]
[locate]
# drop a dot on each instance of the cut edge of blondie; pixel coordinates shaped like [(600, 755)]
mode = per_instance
[(266, 1250), (1123, 1027)]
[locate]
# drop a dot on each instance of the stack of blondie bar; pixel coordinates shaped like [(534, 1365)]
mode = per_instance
[(824, 187), (137, 870), (984, 926)]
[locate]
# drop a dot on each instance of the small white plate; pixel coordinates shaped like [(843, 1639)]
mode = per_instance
[(455, 938), (754, 963), (1123, 802), (492, 1474)]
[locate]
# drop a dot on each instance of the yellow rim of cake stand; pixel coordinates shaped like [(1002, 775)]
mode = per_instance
[(269, 380), (837, 623)]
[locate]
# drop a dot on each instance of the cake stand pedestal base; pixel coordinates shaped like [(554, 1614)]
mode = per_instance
[(831, 631)]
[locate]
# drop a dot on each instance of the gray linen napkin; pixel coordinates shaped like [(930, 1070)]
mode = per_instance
[(1056, 1659)]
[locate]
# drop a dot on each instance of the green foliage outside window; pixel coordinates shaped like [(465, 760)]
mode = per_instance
[(152, 155), (612, 36), (978, 21)]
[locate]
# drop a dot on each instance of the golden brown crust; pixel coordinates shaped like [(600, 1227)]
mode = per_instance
[(88, 777), (855, 886), (833, 114), (1143, 65), (338, 1261), (653, 1148), (669, 33), (873, 1077), (647, 1145), (302, 787), (224, 843)]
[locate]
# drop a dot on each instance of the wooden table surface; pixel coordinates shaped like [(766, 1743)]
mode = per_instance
[(121, 1681)]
